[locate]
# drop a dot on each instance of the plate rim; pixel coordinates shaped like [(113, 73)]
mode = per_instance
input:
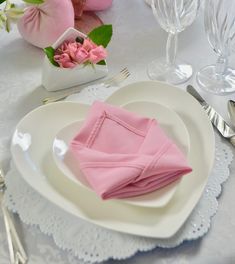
[(150, 234)]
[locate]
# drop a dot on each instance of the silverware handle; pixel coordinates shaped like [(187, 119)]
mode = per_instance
[(54, 99), (9, 237), (16, 250), (232, 140)]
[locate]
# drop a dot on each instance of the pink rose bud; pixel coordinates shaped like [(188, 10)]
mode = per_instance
[(61, 49), (81, 55), (97, 54), (88, 44), (64, 61), (72, 49)]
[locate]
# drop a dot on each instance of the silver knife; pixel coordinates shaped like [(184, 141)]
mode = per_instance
[(216, 119)]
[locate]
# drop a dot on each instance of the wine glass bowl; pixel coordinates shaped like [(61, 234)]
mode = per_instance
[(219, 21), (173, 16)]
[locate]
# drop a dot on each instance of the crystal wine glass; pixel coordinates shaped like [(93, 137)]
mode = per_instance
[(173, 16), (219, 20)]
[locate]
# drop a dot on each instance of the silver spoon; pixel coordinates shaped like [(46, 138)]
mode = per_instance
[(231, 110)]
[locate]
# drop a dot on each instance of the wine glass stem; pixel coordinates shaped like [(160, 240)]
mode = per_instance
[(221, 65), (171, 48)]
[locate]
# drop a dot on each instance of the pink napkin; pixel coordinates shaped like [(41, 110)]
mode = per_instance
[(124, 155)]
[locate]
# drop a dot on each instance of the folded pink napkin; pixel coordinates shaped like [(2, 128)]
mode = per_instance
[(124, 155)]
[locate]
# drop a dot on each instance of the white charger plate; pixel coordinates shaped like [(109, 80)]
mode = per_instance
[(36, 165), (169, 121)]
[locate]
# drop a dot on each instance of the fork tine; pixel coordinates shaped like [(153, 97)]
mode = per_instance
[(123, 71), (122, 75), (118, 79)]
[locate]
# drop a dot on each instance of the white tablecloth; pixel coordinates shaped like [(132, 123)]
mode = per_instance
[(136, 41)]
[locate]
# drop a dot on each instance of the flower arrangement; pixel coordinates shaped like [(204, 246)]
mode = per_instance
[(83, 50), (10, 12), (76, 58), (79, 51)]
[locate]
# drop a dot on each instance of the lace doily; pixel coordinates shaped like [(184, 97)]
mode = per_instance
[(92, 243)]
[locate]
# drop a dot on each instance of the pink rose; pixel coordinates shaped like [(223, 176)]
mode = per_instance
[(69, 47), (97, 54), (63, 48), (81, 55), (88, 44), (64, 61), (73, 48)]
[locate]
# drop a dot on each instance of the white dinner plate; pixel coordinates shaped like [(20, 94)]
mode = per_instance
[(169, 121), (31, 145)]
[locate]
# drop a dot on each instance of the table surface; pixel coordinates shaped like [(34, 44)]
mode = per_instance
[(137, 40)]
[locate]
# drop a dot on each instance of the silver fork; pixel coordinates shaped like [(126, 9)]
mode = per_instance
[(116, 79), (16, 250)]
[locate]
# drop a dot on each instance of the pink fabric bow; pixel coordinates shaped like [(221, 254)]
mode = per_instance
[(124, 155), (41, 25)]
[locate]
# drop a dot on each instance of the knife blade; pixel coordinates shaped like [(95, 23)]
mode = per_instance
[(216, 119)]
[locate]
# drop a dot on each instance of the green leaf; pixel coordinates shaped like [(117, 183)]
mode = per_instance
[(35, 2), (101, 62), (101, 35), (7, 26), (50, 52), (1, 1)]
